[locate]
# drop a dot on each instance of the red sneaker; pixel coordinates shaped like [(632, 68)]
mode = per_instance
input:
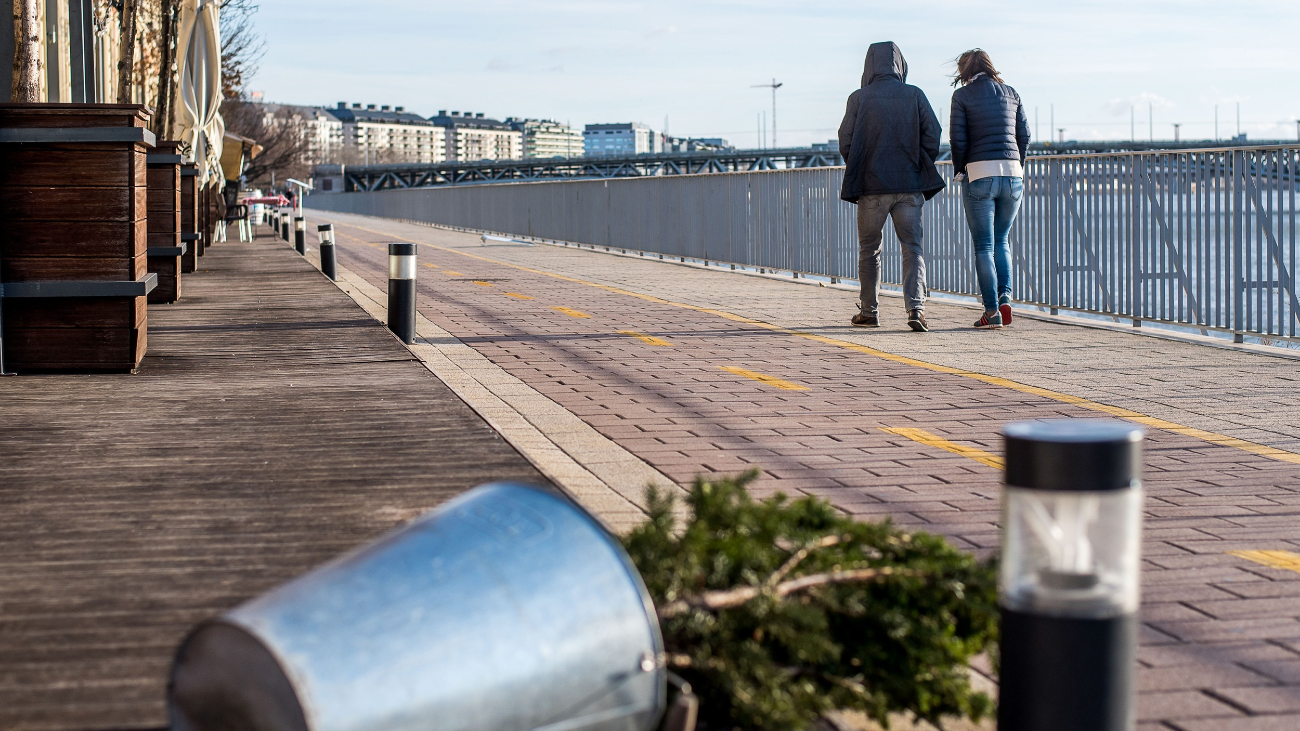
[(1005, 310), (990, 321)]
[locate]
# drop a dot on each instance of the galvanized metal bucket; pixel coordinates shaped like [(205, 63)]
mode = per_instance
[(509, 608)]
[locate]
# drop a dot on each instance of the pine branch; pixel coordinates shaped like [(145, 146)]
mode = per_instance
[(731, 598), (800, 555)]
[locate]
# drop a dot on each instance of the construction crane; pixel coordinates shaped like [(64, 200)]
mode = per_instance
[(773, 86)]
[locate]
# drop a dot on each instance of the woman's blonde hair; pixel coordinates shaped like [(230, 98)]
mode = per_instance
[(973, 63)]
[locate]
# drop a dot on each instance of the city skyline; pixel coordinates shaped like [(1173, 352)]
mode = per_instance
[(1097, 69)]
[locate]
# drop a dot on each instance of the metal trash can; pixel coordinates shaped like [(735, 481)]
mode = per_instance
[(506, 608)]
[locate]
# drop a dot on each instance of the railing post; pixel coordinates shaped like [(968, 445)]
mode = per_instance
[(300, 235), (1053, 234), (1137, 286), (1238, 323), (401, 291), (328, 262)]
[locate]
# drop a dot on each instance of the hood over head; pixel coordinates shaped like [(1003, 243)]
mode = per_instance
[(884, 59)]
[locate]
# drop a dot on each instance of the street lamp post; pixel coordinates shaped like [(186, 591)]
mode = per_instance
[(1072, 512)]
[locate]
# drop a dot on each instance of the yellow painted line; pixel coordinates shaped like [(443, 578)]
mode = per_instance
[(765, 379), (1273, 559), (933, 440), (1116, 411), (570, 312), (518, 296), (483, 284), (645, 338), (449, 272), (432, 266)]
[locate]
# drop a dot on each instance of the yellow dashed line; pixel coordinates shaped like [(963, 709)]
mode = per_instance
[(451, 273), (518, 296), (571, 312), (645, 338), (432, 266), (932, 440), (1211, 437), (765, 379), (483, 284), (1273, 559)]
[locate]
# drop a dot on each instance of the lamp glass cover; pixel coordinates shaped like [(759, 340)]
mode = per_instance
[(1070, 553)]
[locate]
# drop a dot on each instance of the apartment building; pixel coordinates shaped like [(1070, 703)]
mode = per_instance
[(545, 138), (697, 144), (377, 135), (322, 131), (471, 137), (620, 140)]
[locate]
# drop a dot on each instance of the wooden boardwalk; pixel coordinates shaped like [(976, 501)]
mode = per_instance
[(273, 424)]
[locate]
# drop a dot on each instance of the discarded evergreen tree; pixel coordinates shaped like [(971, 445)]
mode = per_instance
[(777, 611)]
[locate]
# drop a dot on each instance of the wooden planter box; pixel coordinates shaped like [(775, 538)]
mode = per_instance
[(73, 254), (190, 219), (165, 245)]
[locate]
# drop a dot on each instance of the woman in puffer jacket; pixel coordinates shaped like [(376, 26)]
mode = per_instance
[(990, 134)]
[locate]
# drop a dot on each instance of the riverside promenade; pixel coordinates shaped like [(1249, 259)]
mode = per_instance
[(631, 366), (275, 423)]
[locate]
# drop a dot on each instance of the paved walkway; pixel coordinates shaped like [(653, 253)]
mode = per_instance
[(695, 371), (273, 425)]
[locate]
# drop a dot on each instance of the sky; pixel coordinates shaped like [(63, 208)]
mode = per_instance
[(1100, 69)]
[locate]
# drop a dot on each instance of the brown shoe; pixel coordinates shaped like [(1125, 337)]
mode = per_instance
[(861, 320), (916, 321)]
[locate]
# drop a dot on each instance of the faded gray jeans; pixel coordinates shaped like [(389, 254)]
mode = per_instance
[(905, 209)]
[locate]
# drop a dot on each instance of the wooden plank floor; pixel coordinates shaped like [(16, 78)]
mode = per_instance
[(272, 425)]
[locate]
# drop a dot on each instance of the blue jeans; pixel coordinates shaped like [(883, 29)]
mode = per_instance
[(991, 207)]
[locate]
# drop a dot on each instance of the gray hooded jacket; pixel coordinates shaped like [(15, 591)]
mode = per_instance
[(890, 136)]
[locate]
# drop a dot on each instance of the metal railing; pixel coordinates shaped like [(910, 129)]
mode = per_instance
[(1201, 238)]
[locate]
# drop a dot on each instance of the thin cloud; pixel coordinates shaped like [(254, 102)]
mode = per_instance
[(1120, 105)]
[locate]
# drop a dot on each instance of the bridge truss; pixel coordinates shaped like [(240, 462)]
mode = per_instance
[(427, 175)]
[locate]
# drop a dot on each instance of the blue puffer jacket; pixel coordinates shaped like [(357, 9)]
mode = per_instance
[(988, 123)]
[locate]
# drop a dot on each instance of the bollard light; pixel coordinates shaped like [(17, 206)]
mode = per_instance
[(1072, 515), (284, 225), (300, 235), (328, 262), (401, 291)]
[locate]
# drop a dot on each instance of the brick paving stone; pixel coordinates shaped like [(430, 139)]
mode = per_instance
[(1288, 722), (1182, 704), (677, 409), (1274, 699)]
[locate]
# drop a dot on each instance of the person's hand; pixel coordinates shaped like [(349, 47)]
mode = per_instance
[(959, 177)]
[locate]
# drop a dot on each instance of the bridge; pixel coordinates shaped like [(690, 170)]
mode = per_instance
[(353, 178), (603, 334), (422, 175)]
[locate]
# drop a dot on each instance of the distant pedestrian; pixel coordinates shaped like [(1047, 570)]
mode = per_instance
[(990, 135), (889, 139)]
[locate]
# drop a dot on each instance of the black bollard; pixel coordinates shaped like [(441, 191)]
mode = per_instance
[(284, 227), (300, 235), (328, 263), (1072, 523), (401, 291)]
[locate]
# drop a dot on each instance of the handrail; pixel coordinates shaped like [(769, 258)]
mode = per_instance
[(1202, 238)]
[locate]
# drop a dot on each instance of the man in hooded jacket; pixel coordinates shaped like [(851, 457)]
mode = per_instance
[(889, 139)]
